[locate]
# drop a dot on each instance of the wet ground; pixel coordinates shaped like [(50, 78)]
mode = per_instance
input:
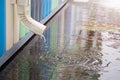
[(82, 42)]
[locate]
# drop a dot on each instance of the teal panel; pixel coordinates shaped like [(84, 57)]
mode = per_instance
[(2, 28), (22, 31)]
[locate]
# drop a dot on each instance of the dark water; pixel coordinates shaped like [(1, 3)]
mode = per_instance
[(82, 42)]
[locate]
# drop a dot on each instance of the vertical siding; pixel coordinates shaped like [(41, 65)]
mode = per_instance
[(16, 25), (53, 4), (36, 7), (9, 24), (39, 10), (43, 9), (49, 6)]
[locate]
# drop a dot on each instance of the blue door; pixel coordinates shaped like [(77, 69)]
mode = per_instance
[(2, 27)]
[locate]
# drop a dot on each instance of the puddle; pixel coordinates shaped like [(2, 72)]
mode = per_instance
[(81, 43)]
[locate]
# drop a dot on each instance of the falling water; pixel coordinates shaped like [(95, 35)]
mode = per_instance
[(44, 39)]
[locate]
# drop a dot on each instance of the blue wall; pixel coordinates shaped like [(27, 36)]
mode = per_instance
[(2, 27), (46, 8)]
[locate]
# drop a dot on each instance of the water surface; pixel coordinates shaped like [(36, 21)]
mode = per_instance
[(82, 42)]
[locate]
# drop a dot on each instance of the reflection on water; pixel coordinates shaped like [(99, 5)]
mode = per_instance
[(81, 43)]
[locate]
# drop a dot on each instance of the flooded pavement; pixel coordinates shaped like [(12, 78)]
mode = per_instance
[(82, 42)]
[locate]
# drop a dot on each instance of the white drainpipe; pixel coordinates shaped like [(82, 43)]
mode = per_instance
[(25, 18)]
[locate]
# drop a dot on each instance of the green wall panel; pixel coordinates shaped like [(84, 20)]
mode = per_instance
[(22, 31)]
